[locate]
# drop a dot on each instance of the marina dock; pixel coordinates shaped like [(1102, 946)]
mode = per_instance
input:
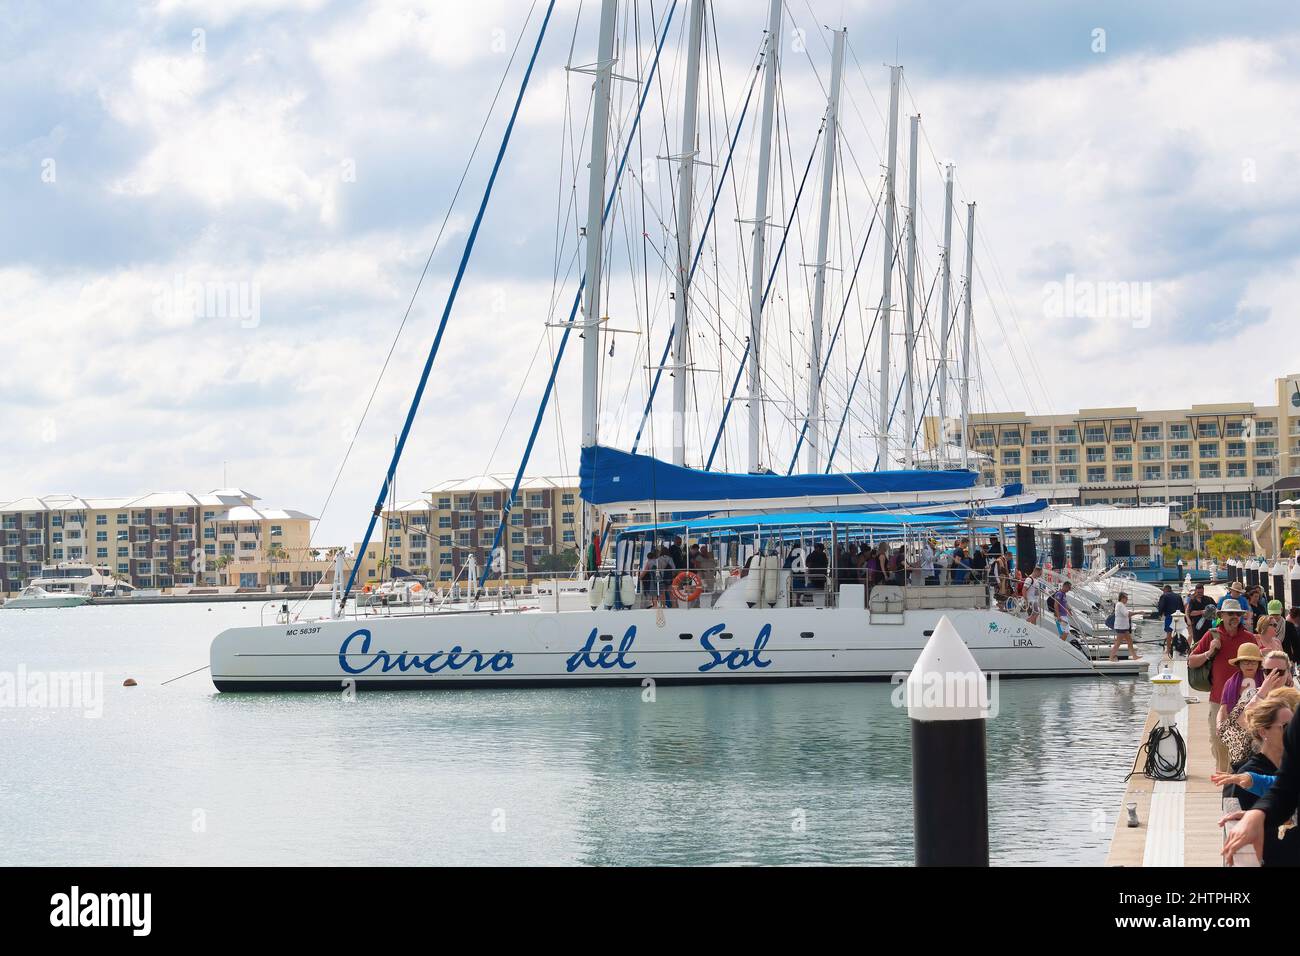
[(1178, 821)]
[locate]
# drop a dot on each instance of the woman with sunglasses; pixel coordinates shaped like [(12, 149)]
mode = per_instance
[(1267, 635), (1268, 721), (1268, 676)]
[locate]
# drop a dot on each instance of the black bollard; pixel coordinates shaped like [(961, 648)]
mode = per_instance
[(947, 702), (1295, 586), (1278, 591)]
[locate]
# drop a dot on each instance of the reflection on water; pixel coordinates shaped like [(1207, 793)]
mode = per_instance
[(778, 775)]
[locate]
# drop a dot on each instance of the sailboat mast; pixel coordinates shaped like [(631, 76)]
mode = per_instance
[(945, 317), (823, 240), (965, 337), (909, 340), (595, 211), (758, 261), (685, 201), (886, 303)]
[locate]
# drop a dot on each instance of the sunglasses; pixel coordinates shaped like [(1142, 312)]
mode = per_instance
[(1276, 670)]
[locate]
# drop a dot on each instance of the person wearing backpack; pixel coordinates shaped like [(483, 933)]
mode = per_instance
[(1218, 648)]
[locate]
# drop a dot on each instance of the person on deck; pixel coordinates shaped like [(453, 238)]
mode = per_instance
[(1200, 613), (1123, 628), (1169, 605), (1035, 594), (1061, 608), (1291, 637), (1277, 735), (817, 562), (1220, 646)]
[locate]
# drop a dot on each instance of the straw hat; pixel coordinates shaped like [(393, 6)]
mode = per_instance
[(1231, 609), (1236, 586), (1247, 652)]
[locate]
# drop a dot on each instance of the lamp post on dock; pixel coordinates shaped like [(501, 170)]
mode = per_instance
[(947, 703)]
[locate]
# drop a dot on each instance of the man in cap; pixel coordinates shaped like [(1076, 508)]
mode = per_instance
[(1219, 647)]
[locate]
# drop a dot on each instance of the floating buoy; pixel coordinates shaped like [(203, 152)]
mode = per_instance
[(129, 682)]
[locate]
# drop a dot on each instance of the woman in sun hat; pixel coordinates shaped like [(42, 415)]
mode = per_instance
[(1242, 684)]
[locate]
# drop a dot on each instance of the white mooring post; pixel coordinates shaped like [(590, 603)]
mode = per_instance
[(947, 703)]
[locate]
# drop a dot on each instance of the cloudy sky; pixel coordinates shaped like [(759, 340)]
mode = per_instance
[(294, 160)]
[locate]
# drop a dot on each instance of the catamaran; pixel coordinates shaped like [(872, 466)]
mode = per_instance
[(763, 609)]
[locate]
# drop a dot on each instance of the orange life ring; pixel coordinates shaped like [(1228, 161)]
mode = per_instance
[(697, 587), (417, 587), (366, 589)]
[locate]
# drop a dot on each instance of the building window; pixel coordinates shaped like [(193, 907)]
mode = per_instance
[(1067, 455), (101, 519), (1011, 476), (1037, 457), (1122, 453), (1122, 433), (567, 499), (1096, 454), (1236, 469), (1039, 436), (487, 503), (1152, 473), (1094, 433), (1236, 449), (1207, 430), (1152, 453), (1151, 432), (569, 537), (1266, 469), (101, 535), (394, 524), (1208, 449), (1011, 457), (1097, 474), (1011, 438), (444, 504), (1068, 476), (1180, 431), (1123, 472), (444, 521), (1180, 472), (1209, 469)]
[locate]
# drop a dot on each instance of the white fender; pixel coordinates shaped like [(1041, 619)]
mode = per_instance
[(595, 591), (771, 578), (627, 590), (611, 591), (754, 581)]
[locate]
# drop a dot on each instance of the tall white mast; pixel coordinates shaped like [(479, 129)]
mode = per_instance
[(946, 323), (813, 454), (909, 340), (965, 337), (595, 215), (882, 425), (759, 262), (685, 201)]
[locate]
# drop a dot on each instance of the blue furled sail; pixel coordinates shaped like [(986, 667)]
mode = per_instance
[(618, 481)]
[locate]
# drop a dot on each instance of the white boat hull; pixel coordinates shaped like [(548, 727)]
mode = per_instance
[(624, 646), (63, 600)]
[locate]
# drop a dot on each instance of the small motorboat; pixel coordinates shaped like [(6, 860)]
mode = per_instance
[(36, 596)]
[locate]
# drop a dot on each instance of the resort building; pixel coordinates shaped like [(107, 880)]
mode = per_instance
[(161, 540), (436, 534), (1232, 460)]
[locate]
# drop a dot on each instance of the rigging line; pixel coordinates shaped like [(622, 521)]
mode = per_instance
[(835, 335), (577, 301), (469, 163), (785, 234), (451, 301), (848, 404), (893, 408), (699, 249)]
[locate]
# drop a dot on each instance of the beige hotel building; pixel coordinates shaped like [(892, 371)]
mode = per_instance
[(1234, 460), (161, 540)]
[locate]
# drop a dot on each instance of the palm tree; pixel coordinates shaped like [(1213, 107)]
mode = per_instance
[(274, 554), (1194, 521), (223, 562)]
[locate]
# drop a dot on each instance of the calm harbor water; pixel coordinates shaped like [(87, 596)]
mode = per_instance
[(792, 774)]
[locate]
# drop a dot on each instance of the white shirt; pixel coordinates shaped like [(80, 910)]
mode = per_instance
[(1123, 619)]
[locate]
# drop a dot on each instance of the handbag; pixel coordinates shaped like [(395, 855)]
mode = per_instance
[(1110, 621), (1199, 678)]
